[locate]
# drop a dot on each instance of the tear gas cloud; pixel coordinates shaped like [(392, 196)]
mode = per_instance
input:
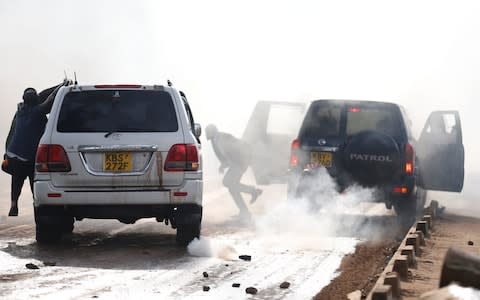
[(227, 56), (205, 247), (325, 220), (311, 223)]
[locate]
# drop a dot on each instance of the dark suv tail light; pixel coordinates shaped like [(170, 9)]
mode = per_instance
[(52, 158), (409, 159), (182, 157), (294, 153)]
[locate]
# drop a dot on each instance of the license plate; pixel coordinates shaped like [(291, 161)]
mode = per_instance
[(117, 161), (321, 158)]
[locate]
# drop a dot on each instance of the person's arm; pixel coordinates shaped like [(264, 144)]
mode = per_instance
[(46, 105), (218, 148), (10, 133), (43, 95)]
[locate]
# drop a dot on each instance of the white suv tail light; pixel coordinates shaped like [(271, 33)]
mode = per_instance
[(182, 157), (52, 158)]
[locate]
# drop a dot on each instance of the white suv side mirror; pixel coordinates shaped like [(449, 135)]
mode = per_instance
[(197, 130)]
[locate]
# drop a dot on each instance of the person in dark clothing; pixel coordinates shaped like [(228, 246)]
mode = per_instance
[(235, 155), (27, 128)]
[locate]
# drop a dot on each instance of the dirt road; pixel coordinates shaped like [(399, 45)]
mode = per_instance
[(110, 260), (450, 230)]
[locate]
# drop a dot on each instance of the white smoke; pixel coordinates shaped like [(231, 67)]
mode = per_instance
[(315, 222), (300, 224), (207, 247)]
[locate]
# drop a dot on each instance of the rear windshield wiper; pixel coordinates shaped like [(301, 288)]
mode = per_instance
[(109, 134)]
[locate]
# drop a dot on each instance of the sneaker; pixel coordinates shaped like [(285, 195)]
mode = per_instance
[(255, 195), (13, 211)]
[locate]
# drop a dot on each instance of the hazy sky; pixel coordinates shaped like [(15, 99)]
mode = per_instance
[(227, 55)]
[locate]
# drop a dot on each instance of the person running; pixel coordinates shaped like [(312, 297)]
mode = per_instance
[(234, 155)]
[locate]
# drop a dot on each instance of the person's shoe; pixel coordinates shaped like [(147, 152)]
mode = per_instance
[(255, 195), (13, 211)]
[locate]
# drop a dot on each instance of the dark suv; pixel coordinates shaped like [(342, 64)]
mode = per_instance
[(370, 144)]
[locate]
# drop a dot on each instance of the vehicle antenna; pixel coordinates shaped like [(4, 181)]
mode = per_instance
[(75, 77), (169, 82)]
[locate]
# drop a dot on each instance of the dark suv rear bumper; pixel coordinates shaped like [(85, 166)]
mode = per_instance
[(390, 192)]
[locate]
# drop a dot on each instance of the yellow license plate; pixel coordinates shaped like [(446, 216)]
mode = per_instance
[(321, 158), (117, 161)]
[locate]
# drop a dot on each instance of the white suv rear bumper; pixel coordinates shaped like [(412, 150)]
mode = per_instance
[(46, 194)]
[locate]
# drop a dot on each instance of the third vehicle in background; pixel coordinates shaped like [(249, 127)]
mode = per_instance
[(370, 144)]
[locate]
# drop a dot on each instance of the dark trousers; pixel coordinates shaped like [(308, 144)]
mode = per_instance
[(235, 187), (22, 170)]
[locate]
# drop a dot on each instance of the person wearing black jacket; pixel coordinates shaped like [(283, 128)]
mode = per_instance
[(27, 128), (234, 155)]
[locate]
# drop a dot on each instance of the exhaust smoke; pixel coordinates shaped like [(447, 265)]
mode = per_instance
[(325, 220)]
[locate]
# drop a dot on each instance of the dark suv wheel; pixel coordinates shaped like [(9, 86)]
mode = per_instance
[(408, 208)]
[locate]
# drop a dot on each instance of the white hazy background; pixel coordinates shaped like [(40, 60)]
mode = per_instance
[(227, 55)]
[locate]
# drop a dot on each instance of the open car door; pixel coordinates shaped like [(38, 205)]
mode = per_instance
[(270, 131), (441, 153)]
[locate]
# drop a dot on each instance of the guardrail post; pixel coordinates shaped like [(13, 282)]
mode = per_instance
[(423, 227), (393, 280), (382, 292), (412, 239), (409, 251)]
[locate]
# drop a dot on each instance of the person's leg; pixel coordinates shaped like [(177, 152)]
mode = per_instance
[(232, 182), (16, 189), (244, 188), (22, 171), (235, 178), (31, 177)]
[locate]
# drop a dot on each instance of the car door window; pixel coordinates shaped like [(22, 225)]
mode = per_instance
[(284, 119), (441, 152)]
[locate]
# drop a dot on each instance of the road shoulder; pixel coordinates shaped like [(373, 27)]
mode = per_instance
[(448, 231)]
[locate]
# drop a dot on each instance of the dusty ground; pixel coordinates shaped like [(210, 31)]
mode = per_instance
[(359, 271), (449, 230), (110, 260)]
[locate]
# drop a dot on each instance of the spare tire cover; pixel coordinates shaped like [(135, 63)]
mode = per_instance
[(371, 157)]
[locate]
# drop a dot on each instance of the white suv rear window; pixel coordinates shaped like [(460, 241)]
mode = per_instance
[(117, 111)]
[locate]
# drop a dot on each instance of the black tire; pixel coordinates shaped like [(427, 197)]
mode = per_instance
[(50, 224), (406, 210), (187, 232), (67, 225), (48, 234)]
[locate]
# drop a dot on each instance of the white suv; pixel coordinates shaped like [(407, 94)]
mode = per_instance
[(119, 152)]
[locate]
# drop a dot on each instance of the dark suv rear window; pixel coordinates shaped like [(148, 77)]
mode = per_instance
[(338, 119), (322, 120), (117, 111), (380, 118)]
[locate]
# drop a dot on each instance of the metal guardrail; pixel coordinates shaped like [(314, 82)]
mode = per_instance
[(397, 269)]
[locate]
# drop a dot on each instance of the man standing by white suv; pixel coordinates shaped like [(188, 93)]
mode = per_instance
[(25, 133)]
